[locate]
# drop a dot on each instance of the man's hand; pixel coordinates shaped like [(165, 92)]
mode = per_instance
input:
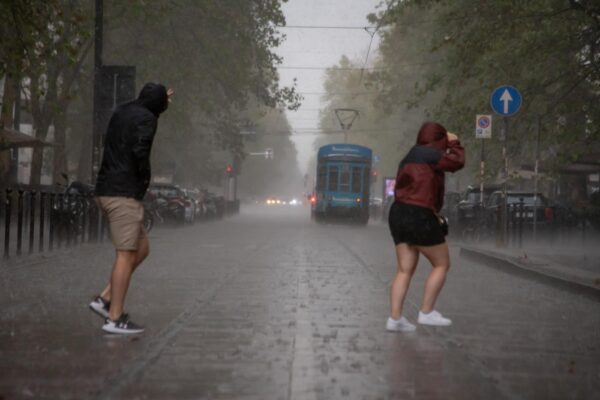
[(170, 93), (451, 136)]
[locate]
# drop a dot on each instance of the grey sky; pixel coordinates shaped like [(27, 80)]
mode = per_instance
[(320, 48)]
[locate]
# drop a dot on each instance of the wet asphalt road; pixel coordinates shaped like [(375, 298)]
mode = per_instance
[(269, 305)]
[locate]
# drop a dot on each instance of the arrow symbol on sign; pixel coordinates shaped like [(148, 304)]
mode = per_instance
[(506, 98)]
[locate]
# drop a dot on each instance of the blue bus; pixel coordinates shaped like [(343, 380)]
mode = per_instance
[(343, 181)]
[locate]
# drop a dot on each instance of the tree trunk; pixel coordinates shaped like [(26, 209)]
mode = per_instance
[(84, 167), (60, 146), (37, 159), (6, 120)]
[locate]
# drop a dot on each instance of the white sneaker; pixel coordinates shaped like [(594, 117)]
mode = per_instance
[(100, 306), (400, 325), (122, 326), (433, 318)]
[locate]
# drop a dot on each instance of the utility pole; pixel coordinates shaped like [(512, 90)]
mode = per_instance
[(96, 134)]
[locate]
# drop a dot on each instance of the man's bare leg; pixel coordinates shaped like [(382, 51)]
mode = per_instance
[(143, 249), (121, 275)]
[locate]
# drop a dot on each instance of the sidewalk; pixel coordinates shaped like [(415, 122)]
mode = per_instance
[(577, 266)]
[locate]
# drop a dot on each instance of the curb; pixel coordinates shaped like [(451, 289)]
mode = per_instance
[(506, 265)]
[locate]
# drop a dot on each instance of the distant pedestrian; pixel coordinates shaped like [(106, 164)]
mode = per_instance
[(122, 182), (415, 222)]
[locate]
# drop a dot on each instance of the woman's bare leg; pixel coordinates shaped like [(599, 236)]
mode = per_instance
[(439, 257), (408, 256)]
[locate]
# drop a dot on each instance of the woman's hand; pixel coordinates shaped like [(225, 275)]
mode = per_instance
[(451, 136)]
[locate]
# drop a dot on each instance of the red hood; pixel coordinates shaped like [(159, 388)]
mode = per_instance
[(434, 135)]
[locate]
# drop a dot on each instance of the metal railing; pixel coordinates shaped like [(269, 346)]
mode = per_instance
[(553, 225), (45, 220)]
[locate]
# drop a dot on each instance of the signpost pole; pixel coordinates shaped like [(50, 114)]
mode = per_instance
[(483, 131), (535, 175), (504, 184), (505, 101), (482, 173)]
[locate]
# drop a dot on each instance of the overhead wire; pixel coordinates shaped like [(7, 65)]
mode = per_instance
[(324, 27)]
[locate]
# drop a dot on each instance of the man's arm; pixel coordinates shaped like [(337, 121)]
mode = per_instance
[(144, 135)]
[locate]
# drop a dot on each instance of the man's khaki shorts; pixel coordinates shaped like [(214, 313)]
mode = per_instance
[(126, 220)]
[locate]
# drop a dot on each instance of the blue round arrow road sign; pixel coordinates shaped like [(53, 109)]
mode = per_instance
[(506, 100)]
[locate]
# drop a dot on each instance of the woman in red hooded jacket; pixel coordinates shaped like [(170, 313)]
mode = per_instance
[(415, 222)]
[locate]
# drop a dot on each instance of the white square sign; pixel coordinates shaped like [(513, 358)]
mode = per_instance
[(483, 126)]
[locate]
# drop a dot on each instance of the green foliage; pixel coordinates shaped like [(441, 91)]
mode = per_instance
[(217, 56), (549, 49)]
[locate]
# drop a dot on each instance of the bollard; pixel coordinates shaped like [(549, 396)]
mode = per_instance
[(42, 218), (78, 229), (522, 221), (7, 222), (74, 217), (93, 220), (19, 222), (515, 224), (499, 229), (32, 196), (85, 206), (52, 222), (583, 226), (68, 218), (511, 225), (60, 225)]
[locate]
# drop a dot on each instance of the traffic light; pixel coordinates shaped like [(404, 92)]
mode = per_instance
[(374, 175), (229, 169)]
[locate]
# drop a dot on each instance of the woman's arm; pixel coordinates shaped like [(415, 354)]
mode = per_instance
[(454, 158)]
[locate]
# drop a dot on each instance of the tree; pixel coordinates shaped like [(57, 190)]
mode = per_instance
[(546, 48), (45, 47), (218, 56)]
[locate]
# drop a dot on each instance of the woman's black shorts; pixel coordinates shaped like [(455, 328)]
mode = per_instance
[(414, 225)]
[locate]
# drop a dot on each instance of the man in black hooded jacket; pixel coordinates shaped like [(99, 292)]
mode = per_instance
[(121, 184)]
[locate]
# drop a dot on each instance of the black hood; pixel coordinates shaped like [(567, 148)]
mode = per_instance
[(154, 97)]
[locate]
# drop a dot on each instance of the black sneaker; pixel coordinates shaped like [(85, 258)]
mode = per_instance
[(100, 306), (121, 326)]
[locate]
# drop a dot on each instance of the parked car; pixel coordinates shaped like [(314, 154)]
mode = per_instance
[(194, 196), (214, 205), (470, 206), (450, 208), (542, 207), (594, 210), (171, 203)]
